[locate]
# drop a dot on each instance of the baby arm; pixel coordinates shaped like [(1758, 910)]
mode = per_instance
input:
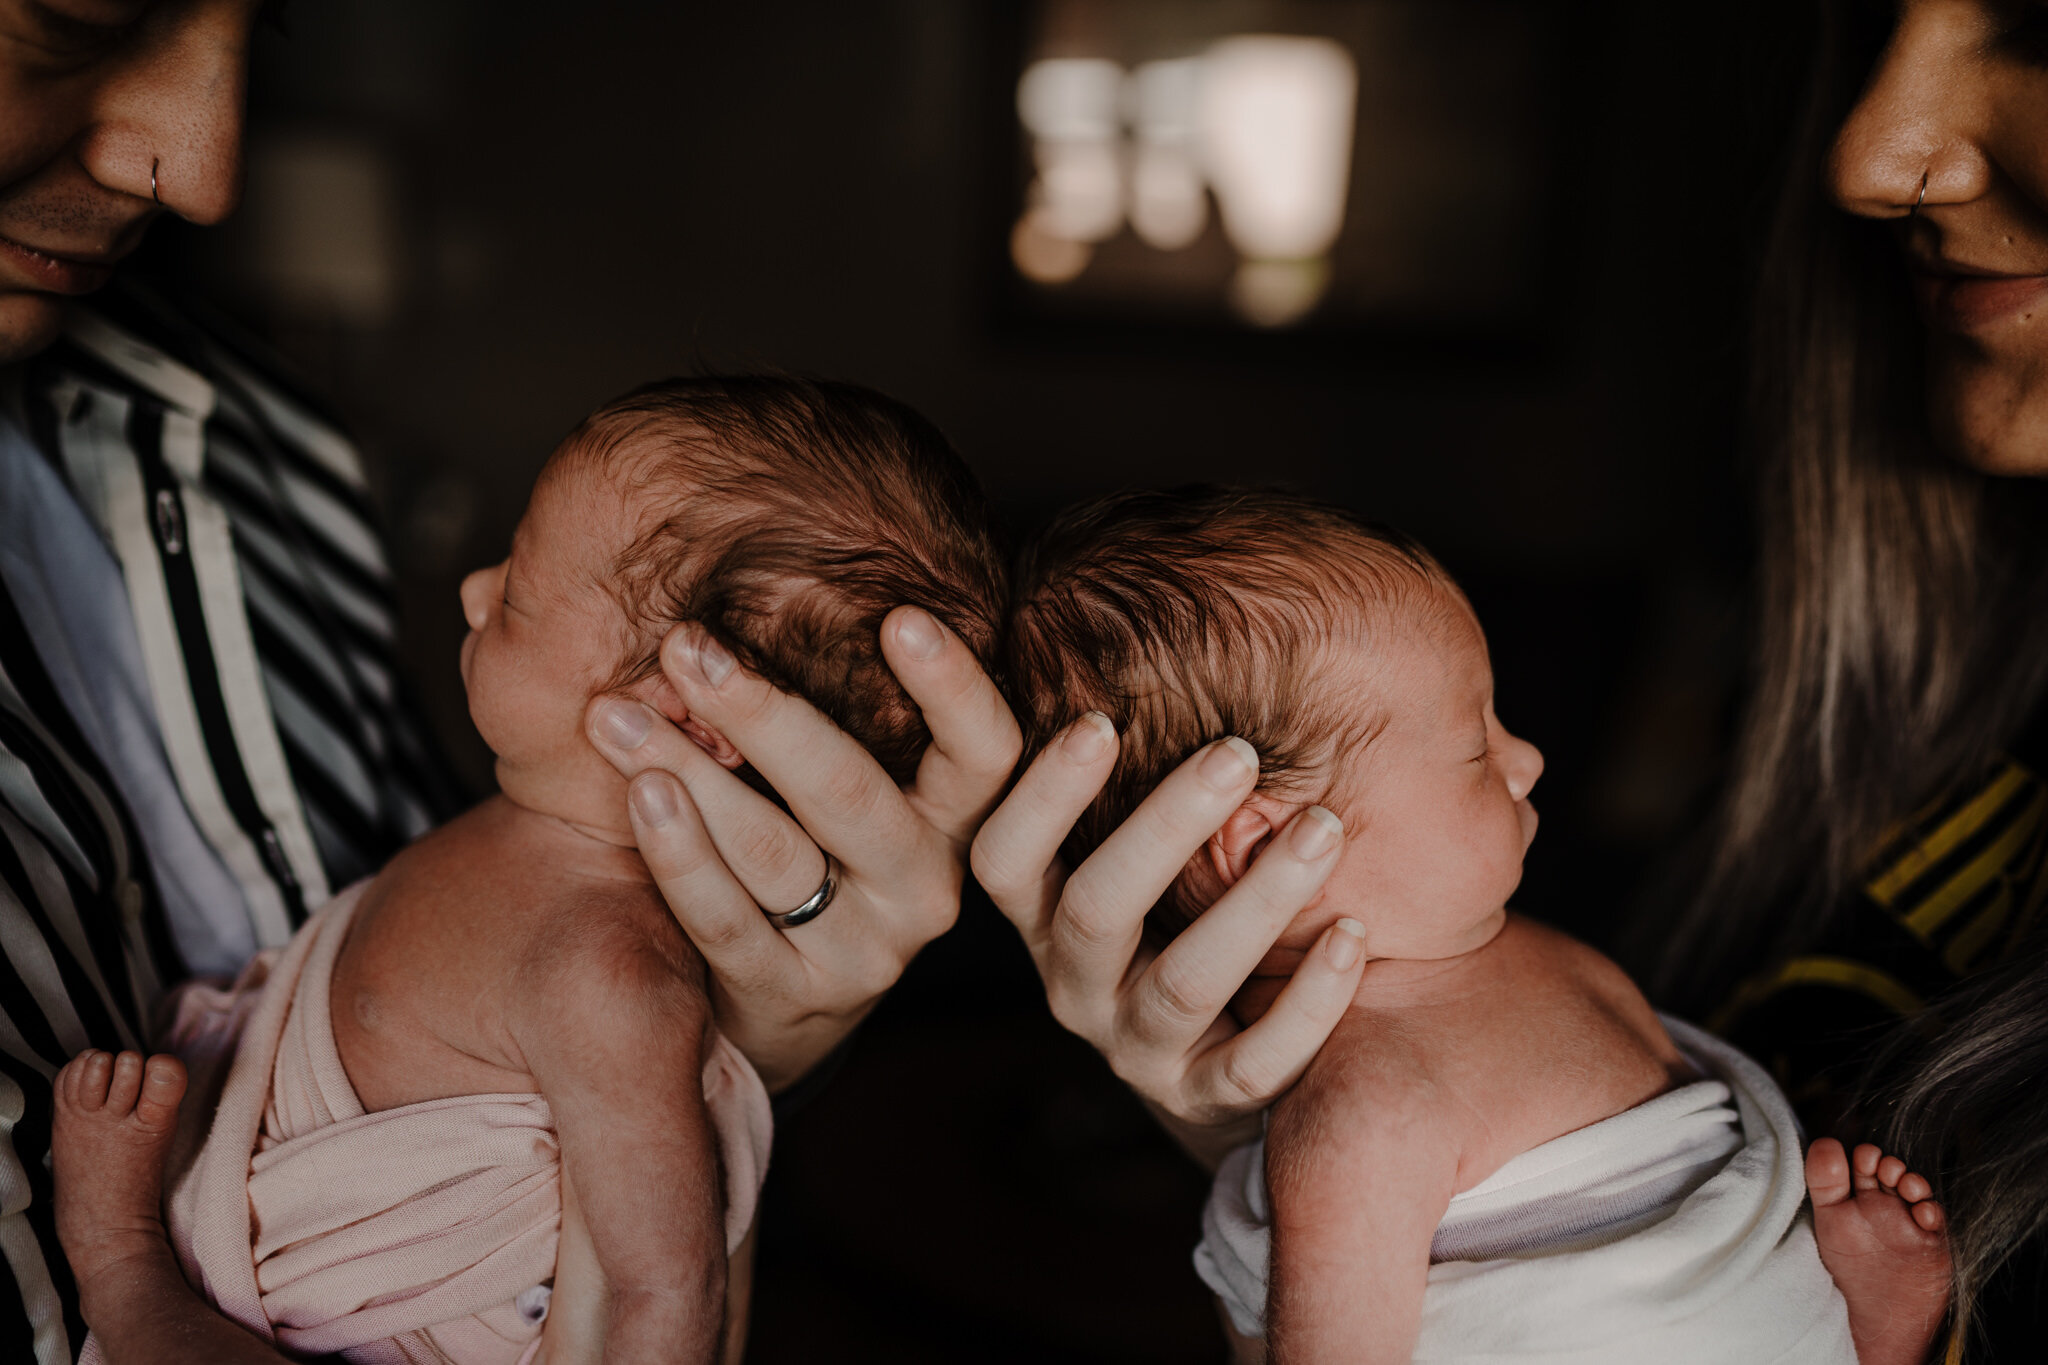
[(613, 1029), (1360, 1169)]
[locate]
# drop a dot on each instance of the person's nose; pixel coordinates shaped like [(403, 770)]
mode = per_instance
[(1912, 130), (482, 591), (1522, 763), (169, 122)]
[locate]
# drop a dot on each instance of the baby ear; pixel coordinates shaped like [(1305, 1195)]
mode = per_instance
[(713, 743), (656, 693), (1230, 850)]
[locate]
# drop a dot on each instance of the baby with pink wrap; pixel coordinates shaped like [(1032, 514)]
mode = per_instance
[(477, 1110)]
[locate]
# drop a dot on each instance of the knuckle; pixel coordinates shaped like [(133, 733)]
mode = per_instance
[(1240, 1079), (722, 936), (768, 845), (997, 758), (680, 857), (1000, 874), (939, 911), (878, 974), (1129, 1065), (1176, 997), (1082, 1013), (1060, 1001), (847, 789), (1082, 923), (992, 870)]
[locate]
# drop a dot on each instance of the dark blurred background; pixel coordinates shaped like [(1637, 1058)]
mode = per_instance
[(470, 221)]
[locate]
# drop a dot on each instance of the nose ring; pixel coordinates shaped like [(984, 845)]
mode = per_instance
[(152, 181), (1911, 212)]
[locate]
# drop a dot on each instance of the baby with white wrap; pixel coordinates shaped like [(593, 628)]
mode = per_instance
[(1502, 1153)]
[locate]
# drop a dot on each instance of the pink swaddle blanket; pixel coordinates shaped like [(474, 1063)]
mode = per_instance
[(409, 1235)]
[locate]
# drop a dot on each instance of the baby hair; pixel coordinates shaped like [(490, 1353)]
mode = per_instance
[(1188, 615), (797, 514)]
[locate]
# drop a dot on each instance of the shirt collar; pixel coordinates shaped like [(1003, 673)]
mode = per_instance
[(178, 385)]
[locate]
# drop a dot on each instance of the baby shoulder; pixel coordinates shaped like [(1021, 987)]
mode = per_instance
[(606, 959), (1363, 1105)]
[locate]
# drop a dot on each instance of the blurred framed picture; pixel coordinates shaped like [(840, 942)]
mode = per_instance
[(1371, 170)]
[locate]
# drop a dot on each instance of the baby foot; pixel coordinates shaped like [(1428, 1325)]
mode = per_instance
[(1884, 1241), (114, 1123)]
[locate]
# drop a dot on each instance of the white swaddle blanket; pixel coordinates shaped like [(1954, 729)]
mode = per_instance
[(1672, 1233)]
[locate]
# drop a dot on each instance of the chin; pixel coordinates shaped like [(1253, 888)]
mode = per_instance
[(1991, 415), (28, 323)]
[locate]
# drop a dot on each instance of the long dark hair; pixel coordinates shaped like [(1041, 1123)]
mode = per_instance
[(1903, 639)]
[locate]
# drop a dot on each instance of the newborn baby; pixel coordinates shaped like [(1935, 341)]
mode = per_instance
[(505, 1032), (1501, 1152)]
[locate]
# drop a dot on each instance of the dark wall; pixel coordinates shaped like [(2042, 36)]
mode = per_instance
[(598, 194)]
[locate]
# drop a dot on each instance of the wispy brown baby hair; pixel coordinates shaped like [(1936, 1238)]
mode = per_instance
[(798, 514), (1189, 615)]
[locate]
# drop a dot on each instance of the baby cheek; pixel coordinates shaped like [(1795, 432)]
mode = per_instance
[(492, 696)]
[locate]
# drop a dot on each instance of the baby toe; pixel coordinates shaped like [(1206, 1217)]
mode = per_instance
[(1863, 1161), (1929, 1216), (1889, 1170), (163, 1085), (90, 1074), (1827, 1172), (1913, 1187), (126, 1084)]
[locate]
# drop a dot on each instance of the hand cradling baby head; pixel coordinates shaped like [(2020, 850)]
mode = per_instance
[(788, 517), (1341, 651)]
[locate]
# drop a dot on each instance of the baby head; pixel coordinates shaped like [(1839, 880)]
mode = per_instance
[(1341, 651), (787, 516)]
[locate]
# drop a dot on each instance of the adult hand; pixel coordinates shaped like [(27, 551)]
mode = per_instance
[(720, 851), (1159, 1016)]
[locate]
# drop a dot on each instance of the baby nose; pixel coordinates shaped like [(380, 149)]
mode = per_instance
[(479, 591), (1524, 765)]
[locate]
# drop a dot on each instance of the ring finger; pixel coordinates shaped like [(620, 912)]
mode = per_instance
[(768, 852)]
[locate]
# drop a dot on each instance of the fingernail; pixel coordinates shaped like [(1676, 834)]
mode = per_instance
[(919, 633), (1347, 941), (1226, 765), (1089, 736), (1315, 833), (713, 660), (624, 723), (654, 801)]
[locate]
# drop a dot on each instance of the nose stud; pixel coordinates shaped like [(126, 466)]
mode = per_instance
[(152, 181), (1914, 211)]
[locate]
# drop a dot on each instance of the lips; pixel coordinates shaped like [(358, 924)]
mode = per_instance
[(52, 273), (1974, 302)]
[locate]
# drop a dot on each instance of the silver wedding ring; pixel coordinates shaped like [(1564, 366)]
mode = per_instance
[(812, 908)]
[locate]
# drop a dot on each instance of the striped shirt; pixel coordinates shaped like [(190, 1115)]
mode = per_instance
[(261, 603)]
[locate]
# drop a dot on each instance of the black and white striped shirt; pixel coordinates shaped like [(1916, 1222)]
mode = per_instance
[(260, 602)]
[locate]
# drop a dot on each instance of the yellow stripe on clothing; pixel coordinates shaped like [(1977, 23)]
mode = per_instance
[(1947, 836), (1975, 936), (1928, 916)]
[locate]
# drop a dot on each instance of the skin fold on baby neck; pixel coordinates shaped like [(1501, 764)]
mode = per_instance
[(584, 852), (1393, 981)]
